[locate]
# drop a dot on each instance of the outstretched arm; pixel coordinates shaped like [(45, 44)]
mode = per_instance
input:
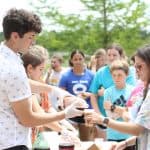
[(125, 127)]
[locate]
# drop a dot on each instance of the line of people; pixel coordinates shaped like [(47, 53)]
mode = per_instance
[(111, 91), (112, 83), (108, 86)]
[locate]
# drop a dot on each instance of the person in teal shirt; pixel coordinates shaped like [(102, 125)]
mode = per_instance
[(117, 95), (103, 78)]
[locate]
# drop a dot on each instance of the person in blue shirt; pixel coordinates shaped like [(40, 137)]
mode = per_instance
[(77, 81), (103, 78)]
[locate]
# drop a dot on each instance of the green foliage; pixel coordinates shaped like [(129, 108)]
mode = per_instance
[(130, 39), (1, 36), (118, 21)]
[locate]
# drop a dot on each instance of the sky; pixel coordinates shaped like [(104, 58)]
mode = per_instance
[(66, 6)]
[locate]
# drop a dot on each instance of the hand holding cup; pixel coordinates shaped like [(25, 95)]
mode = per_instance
[(91, 117), (75, 109)]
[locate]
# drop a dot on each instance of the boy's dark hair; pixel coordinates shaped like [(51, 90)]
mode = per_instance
[(20, 21)]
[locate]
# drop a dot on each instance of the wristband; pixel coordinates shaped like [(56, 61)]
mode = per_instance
[(102, 126)]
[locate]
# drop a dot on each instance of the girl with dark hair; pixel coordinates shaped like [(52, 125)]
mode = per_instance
[(76, 81)]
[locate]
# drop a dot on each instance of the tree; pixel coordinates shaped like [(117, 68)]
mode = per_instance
[(119, 19), (106, 21), (1, 36)]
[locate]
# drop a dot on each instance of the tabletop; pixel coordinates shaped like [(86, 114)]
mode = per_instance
[(53, 140)]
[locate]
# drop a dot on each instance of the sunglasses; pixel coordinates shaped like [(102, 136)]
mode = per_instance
[(138, 67)]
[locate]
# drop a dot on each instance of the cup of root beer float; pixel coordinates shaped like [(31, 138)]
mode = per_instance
[(66, 146)]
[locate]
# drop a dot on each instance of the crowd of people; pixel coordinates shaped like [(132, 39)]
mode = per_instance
[(32, 102)]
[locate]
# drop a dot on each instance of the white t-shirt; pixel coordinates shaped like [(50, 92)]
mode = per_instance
[(55, 77), (14, 87)]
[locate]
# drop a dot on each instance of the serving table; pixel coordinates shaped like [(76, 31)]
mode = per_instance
[(53, 141)]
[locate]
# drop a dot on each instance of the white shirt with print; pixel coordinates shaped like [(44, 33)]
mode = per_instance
[(14, 87)]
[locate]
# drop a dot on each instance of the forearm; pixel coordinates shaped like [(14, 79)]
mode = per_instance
[(130, 141), (24, 112), (38, 87), (125, 127), (37, 119), (55, 126), (94, 103)]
